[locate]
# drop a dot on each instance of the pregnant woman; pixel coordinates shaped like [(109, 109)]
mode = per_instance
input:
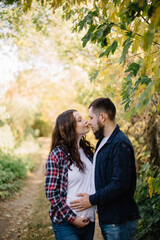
[(68, 172)]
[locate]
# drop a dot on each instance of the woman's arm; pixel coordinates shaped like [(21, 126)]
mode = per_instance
[(54, 186)]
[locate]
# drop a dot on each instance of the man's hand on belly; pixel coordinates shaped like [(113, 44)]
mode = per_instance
[(81, 204)]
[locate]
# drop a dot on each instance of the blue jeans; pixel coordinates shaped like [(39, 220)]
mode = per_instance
[(67, 231), (124, 231)]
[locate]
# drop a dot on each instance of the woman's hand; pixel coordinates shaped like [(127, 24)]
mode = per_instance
[(81, 222)]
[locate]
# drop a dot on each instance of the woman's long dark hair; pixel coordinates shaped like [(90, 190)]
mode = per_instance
[(64, 132)]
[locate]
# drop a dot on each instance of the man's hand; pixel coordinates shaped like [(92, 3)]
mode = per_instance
[(81, 222), (82, 203)]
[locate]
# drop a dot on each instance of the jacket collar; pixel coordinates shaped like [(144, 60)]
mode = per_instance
[(116, 130)]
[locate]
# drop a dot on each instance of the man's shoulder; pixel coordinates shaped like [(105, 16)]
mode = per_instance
[(121, 138)]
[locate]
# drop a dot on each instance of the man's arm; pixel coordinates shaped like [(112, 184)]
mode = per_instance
[(119, 184)]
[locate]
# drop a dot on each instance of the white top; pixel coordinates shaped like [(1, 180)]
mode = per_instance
[(104, 140), (79, 182)]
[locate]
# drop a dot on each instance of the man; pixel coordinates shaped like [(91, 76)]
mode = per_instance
[(114, 175)]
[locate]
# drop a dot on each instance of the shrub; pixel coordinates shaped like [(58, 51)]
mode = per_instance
[(12, 171), (148, 199), (44, 129)]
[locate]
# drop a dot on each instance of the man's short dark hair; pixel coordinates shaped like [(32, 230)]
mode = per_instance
[(104, 105)]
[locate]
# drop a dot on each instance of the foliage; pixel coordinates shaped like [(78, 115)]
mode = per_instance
[(148, 199), (41, 128), (35, 99), (15, 20), (20, 123), (12, 171), (130, 31), (7, 140), (144, 131)]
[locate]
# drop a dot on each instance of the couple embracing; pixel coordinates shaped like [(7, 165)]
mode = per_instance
[(78, 182)]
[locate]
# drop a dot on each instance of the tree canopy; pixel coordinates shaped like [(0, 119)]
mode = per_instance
[(128, 33)]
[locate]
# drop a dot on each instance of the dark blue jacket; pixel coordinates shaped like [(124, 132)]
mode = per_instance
[(115, 180)]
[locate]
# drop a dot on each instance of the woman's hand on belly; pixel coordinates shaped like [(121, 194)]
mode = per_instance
[(81, 222)]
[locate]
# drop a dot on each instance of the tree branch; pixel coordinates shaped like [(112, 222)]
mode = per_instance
[(137, 34), (147, 21)]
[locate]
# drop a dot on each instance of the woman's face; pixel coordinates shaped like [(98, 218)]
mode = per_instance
[(82, 125)]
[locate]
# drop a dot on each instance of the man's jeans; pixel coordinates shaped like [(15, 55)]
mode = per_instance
[(125, 231), (67, 231)]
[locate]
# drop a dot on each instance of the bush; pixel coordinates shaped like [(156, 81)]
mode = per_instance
[(44, 129), (12, 171), (148, 199)]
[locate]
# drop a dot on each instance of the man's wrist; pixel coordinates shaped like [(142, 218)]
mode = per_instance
[(92, 199)]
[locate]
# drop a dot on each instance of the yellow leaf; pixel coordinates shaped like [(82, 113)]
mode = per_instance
[(150, 184), (135, 45), (158, 106), (156, 17)]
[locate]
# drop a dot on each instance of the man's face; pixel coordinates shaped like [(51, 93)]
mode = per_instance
[(95, 123)]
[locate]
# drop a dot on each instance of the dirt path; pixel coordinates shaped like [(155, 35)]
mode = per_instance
[(15, 212), (26, 215)]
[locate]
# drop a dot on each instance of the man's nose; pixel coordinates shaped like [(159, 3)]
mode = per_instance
[(85, 122)]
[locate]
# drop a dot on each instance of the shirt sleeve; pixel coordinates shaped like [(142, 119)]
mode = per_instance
[(53, 183), (120, 180)]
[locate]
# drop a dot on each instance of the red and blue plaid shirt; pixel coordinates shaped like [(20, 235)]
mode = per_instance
[(56, 185)]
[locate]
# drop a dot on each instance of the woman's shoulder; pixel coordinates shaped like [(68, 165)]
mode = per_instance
[(59, 152)]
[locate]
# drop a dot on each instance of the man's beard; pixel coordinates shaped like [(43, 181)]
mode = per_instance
[(100, 132)]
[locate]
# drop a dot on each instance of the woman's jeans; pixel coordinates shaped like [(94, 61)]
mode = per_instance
[(67, 231), (125, 231)]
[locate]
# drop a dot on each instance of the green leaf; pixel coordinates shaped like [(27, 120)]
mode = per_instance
[(102, 54), (86, 38), (145, 97), (111, 48), (107, 52), (99, 33), (104, 42), (108, 28), (114, 46), (93, 75), (148, 39), (125, 51), (134, 68), (145, 80)]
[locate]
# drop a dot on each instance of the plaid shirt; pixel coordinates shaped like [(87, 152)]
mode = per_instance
[(56, 185)]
